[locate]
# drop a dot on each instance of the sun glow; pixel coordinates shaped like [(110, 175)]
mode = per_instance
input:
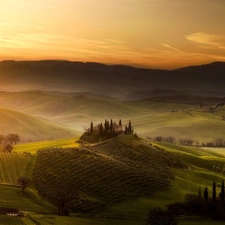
[(162, 34)]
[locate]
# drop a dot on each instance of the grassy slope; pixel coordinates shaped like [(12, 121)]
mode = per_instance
[(12, 165), (29, 201), (30, 128), (200, 173), (12, 220), (32, 147), (105, 174)]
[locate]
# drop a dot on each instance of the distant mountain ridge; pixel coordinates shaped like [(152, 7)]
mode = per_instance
[(113, 80)]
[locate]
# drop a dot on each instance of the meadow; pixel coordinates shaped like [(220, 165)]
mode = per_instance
[(122, 179), (191, 168)]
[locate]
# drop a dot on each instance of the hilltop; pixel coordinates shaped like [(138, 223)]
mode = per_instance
[(104, 174)]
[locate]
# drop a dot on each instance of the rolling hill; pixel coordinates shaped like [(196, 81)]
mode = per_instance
[(114, 80), (31, 128)]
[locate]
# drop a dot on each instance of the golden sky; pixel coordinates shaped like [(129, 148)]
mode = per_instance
[(145, 33)]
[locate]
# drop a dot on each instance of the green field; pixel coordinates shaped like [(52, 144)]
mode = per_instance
[(32, 147), (118, 181), (192, 168)]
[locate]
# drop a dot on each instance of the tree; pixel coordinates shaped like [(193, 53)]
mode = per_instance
[(126, 130), (24, 181), (159, 138), (214, 191), (2, 139), (7, 147), (206, 194), (158, 216), (101, 130), (120, 122), (200, 194), (219, 142), (62, 195), (222, 191), (13, 138), (91, 128), (129, 128), (170, 139), (106, 126), (111, 125)]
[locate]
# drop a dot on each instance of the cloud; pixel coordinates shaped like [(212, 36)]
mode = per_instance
[(207, 39), (46, 45), (170, 47), (39, 5)]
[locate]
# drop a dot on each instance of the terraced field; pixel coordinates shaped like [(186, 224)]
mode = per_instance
[(12, 165), (33, 147), (119, 180), (12, 220), (105, 174)]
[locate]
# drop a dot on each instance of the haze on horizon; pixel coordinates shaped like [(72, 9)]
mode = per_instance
[(150, 33)]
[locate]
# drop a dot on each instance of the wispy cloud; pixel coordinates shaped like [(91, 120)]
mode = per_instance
[(170, 47), (207, 39), (33, 4), (46, 45)]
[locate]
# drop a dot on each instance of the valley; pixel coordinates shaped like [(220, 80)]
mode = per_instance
[(50, 103)]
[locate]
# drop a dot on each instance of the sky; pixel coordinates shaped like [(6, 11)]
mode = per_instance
[(164, 34)]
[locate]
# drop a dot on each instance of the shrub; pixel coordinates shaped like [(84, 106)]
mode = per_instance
[(158, 216)]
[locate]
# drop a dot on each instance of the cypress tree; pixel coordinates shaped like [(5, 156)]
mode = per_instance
[(222, 191), (111, 125), (106, 126), (101, 130), (120, 122), (206, 194), (126, 130), (91, 128), (129, 128), (199, 194), (214, 191)]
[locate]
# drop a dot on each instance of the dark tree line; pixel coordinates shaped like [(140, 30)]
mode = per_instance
[(218, 142), (206, 205), (212, 207)]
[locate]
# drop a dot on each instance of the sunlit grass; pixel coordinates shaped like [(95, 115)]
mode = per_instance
[(32, 147), (14, 197)]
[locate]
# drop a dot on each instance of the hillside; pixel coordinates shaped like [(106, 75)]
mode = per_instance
[(105, 174), (30, 128), (110, 80), (118, 180)]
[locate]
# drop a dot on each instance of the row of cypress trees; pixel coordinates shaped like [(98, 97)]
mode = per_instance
[(214, 195), (111, 128)]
